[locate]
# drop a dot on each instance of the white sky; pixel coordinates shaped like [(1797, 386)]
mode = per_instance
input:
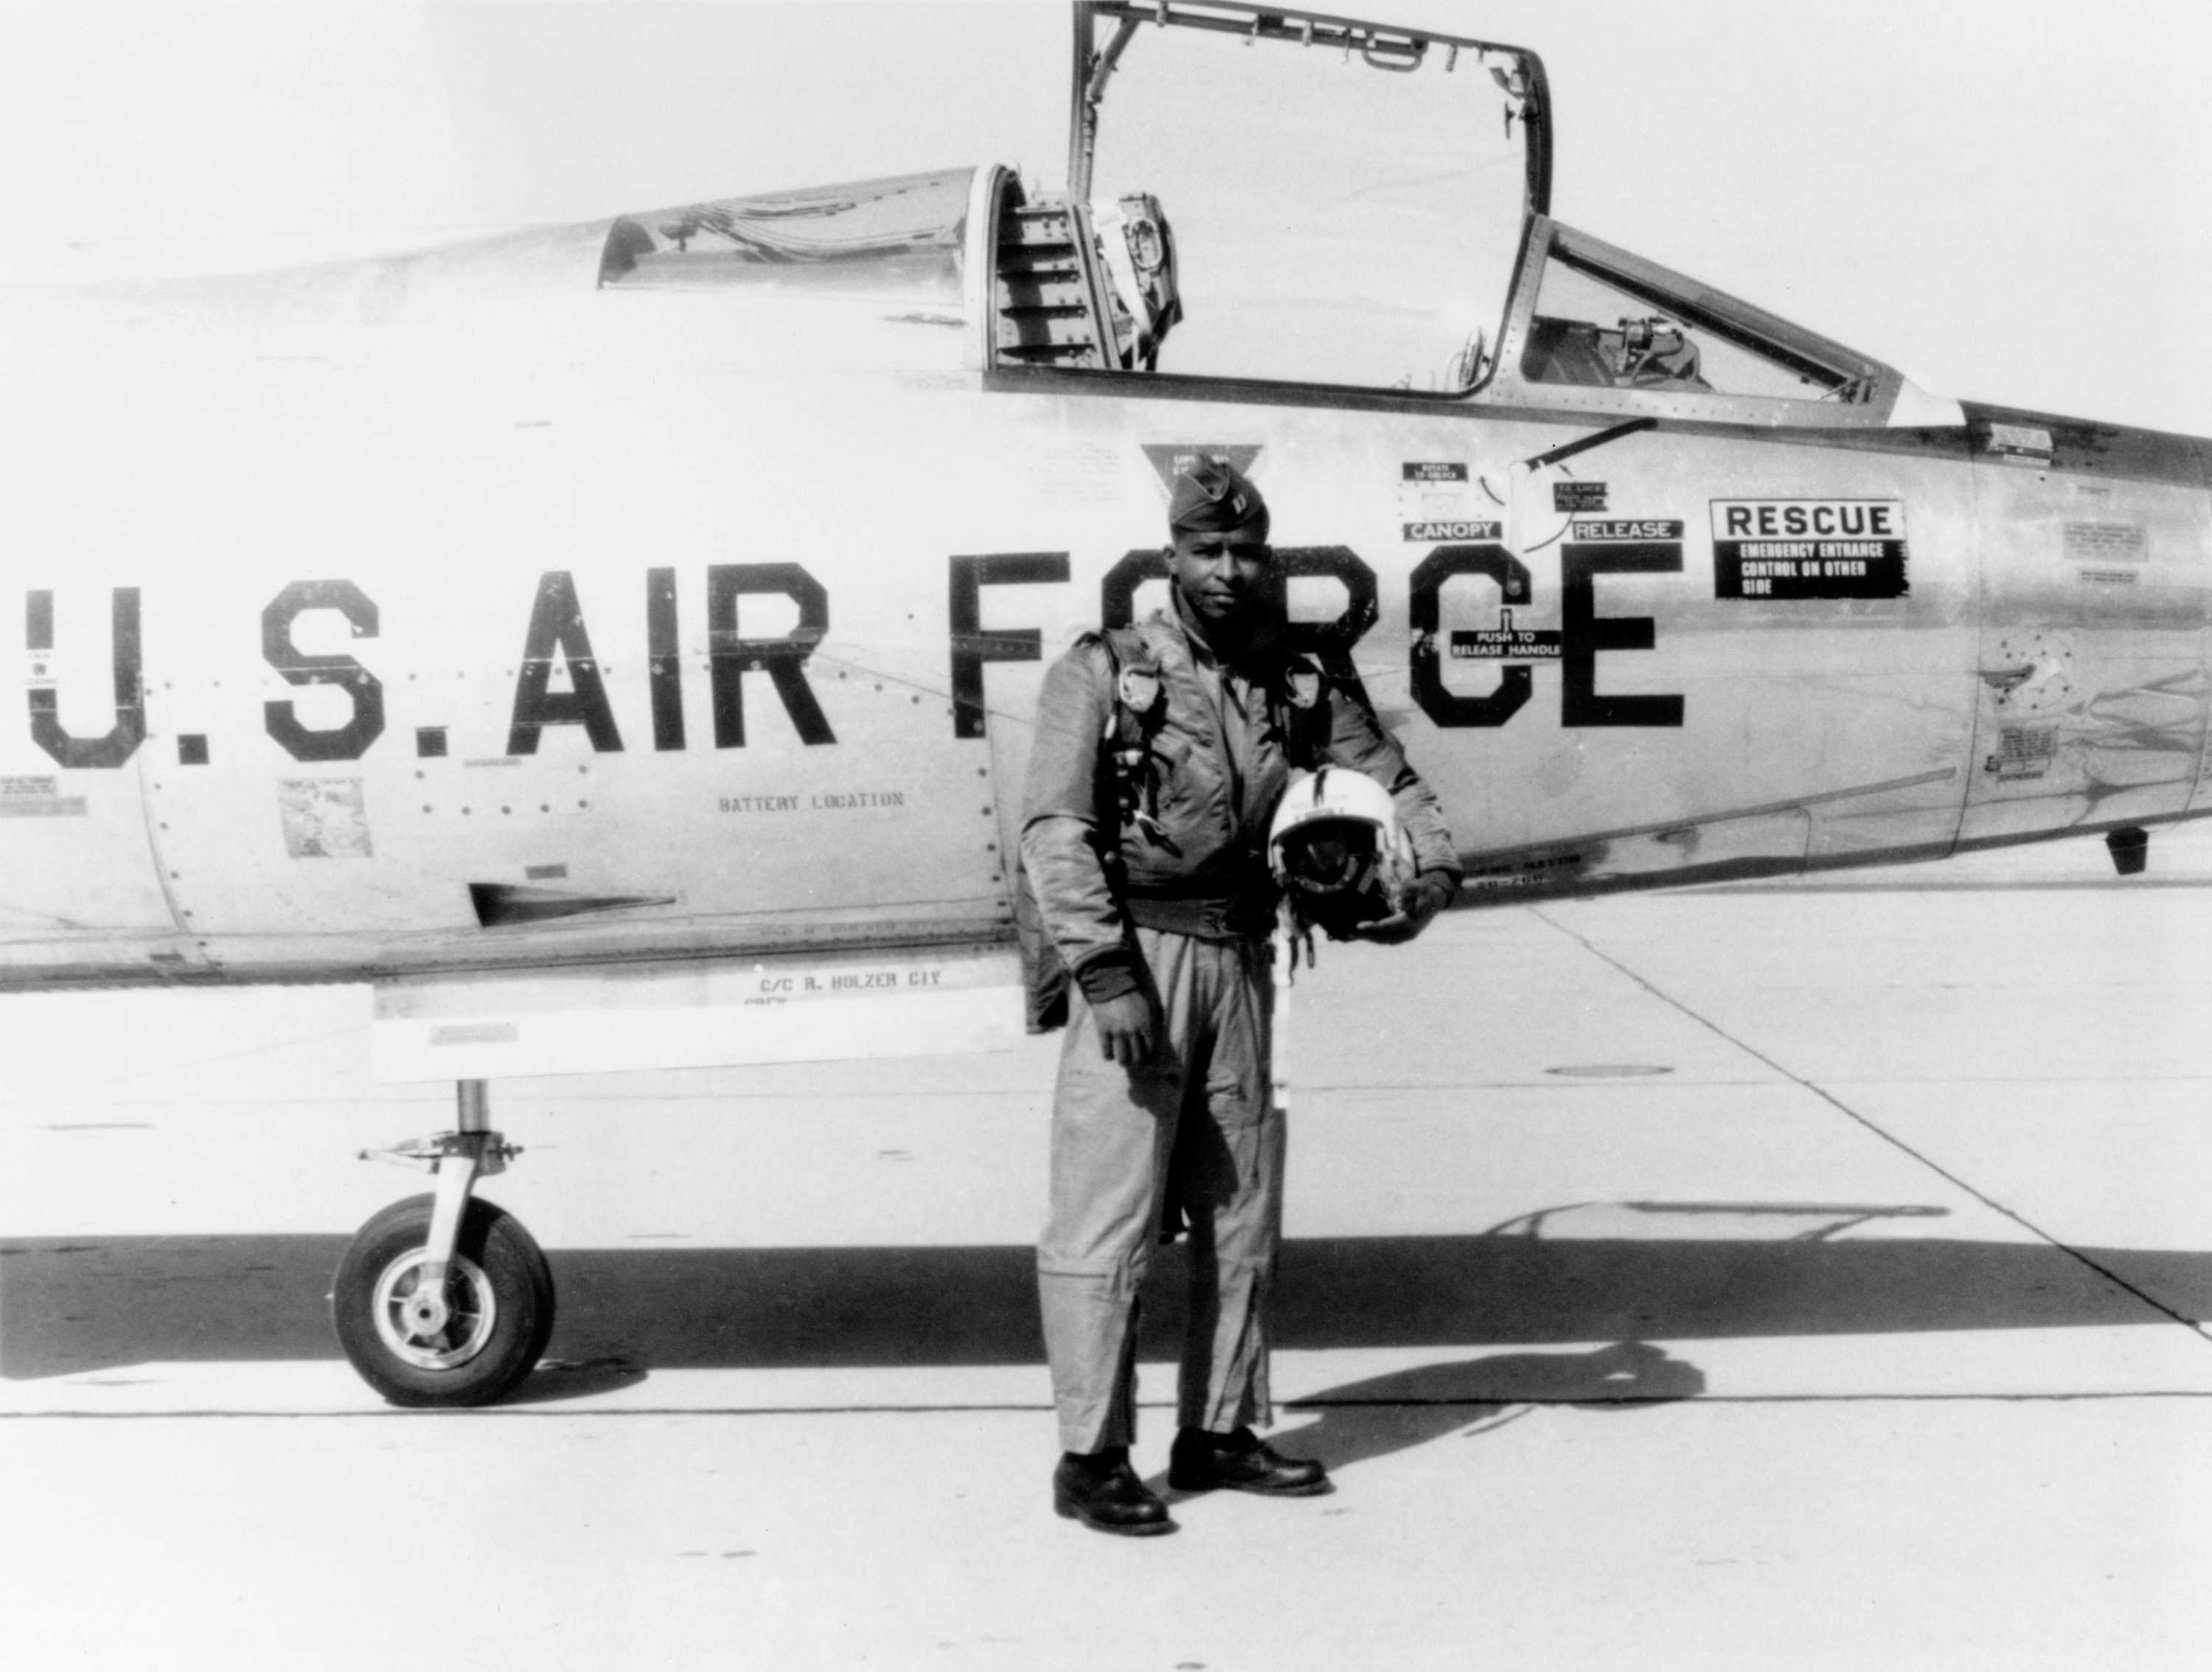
[(2007, 200)]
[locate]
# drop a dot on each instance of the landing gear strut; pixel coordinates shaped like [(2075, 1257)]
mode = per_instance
[(444, 1299)]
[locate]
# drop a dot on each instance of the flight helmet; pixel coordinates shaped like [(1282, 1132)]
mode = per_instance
[(1338, 851)]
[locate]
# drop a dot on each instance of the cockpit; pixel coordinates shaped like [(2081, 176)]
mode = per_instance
[(1258, 195)]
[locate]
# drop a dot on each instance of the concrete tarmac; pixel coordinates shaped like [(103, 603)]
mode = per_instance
[(1802, 1276)]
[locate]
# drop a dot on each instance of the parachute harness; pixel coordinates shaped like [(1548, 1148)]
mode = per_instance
[(1139, 706)]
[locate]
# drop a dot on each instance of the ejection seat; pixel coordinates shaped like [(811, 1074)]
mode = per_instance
[(1082, 286)]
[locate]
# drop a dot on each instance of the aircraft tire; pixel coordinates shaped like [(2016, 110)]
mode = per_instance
[(499, 1286)]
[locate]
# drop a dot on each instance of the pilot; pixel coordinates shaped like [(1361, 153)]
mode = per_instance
[(1161, 752)]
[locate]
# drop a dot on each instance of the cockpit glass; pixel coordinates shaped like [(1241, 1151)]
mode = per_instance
[(895, 237), (1339, 216), (1590, 331)]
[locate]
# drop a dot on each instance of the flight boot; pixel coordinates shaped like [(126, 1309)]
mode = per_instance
[(1102, 1491), (1201, 1461)]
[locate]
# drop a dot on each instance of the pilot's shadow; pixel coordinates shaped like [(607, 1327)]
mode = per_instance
[(1389, 1414)]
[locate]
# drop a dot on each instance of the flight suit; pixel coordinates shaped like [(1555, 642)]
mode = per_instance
[(1181, 897)]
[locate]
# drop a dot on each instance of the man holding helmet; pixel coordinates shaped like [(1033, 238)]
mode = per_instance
[(1162, 753)]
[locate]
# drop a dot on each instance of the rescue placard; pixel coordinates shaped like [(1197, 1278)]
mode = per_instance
[(1809, 547)]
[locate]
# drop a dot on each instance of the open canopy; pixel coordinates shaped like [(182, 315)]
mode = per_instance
[(1301, 156), (1105, 29), (1269, 195), (1363, 204)]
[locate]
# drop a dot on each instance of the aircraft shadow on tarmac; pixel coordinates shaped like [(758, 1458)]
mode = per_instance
[(73, 1306), (1374, 1418)]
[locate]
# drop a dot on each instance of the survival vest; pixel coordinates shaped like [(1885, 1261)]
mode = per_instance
[(1296, 704)]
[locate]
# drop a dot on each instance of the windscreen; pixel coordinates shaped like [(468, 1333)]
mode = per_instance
[(1335, 220), (900, 236), (1593, 332)]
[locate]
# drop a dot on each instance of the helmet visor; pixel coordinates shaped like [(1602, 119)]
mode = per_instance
[(1330, 856)]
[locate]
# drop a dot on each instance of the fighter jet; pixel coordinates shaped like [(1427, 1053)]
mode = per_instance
[(616, 645)]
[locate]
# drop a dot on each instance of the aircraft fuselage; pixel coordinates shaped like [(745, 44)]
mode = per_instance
[(314, 645)]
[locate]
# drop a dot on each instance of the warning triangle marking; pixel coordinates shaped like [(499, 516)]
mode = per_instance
[(1171, 459)]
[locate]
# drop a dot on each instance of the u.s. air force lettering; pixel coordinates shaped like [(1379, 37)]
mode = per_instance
[(556, 641)]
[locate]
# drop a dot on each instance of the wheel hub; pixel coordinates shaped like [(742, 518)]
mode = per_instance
[(430, 1327)]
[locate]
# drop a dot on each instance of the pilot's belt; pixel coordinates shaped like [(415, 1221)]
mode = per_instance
[(1244, 917)]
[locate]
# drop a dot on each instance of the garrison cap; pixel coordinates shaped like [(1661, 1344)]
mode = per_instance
[(1215, 497)]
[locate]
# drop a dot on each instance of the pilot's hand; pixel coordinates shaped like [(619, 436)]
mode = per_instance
[(1431, 891), (1125, 1027)]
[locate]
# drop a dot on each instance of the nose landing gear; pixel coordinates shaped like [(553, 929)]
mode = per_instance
[(445, 1300)]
